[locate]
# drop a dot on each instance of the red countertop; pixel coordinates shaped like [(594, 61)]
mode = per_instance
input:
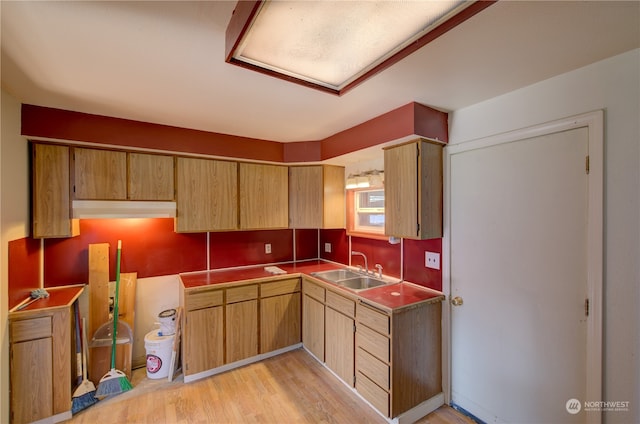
[(391, 296), (59, 297)]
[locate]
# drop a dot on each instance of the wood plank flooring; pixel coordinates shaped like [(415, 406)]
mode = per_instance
[(289, 388)]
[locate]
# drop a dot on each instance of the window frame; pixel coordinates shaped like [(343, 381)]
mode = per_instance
[(361, 231)]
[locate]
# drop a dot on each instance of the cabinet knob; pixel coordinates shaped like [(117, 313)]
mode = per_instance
[(457, 301)]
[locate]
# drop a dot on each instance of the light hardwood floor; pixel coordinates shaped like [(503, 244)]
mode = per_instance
[(289, 388)]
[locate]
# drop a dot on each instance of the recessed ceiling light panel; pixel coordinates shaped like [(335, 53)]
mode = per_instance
[(333, 44)]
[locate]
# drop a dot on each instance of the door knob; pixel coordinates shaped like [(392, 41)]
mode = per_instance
[(457, 301)]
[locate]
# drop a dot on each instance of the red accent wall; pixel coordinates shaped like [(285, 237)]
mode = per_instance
[(23, 269), (306, 244), (240, 248), (410, 119), (339, 245), (150, 247), (414, 269), (387, 255), (378, 252), (67, 125)]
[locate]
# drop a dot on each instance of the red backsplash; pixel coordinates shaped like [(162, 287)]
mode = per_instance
[(239, 248), (23, 269), (339, 246), (414, 269), (378, 252), (150, 247), (306, 244), (387, 255)]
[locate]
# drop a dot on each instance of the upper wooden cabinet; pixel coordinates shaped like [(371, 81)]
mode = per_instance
[(99, 174), (316, 197), (264, 195), (206, 195), (51, 200), (150, 177), (413, 190), (116, 175)]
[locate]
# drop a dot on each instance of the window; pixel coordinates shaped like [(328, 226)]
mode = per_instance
[(366, 211)]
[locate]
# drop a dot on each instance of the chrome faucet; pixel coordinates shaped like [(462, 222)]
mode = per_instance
[(379, 268), (366, 265)]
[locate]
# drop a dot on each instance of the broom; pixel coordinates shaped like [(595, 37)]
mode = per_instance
[(115, 381), (84, 396)]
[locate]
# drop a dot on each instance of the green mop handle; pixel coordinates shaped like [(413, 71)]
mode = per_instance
[(115, 307)]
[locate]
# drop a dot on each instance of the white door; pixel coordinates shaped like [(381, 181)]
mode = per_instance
[(518, 243)]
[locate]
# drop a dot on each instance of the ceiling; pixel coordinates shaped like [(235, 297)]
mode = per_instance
[(163, 62)]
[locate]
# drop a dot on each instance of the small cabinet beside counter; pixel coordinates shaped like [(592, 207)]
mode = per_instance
[(42, 358)]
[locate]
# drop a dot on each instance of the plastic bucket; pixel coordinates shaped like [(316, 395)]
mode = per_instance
[(159, 349), (167, 321)]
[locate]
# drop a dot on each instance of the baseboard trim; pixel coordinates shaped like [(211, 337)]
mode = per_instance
[(238, 364)]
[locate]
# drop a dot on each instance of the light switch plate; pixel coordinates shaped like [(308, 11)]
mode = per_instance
[(327, 247), (267, 248), (432, 260)]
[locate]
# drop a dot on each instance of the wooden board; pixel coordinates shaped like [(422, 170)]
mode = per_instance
[(98, 306), (100, 357)]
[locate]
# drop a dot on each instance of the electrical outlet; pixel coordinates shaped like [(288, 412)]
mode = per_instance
[(267, 248), (432, 260), (327, 247)]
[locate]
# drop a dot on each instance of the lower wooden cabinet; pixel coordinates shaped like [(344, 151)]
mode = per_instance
[(280, 314), (40, 346), (398, 356), (227, 324), (340, 336), (313, 318), (204, 339), (241, 322)]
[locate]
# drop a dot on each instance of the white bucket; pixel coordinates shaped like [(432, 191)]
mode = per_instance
[(159, 349), (167, 321)]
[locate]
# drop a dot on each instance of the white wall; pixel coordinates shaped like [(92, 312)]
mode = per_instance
[(14, 220), (614, 86)]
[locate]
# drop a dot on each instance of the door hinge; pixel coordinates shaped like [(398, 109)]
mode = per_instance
[(354, 327), (586, 164), (354, 380), (586, 307)]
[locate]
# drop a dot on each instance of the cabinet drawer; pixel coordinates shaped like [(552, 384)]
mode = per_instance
[(376, 320), (313, 290), (280, 287), (374, 343), (378, 397), (204, 299), (239, 294), (29, 329), (341, 304), (373, 368)]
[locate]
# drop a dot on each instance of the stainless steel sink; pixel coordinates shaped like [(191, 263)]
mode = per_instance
[(349, 279), (361, 283), (336, 274)]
